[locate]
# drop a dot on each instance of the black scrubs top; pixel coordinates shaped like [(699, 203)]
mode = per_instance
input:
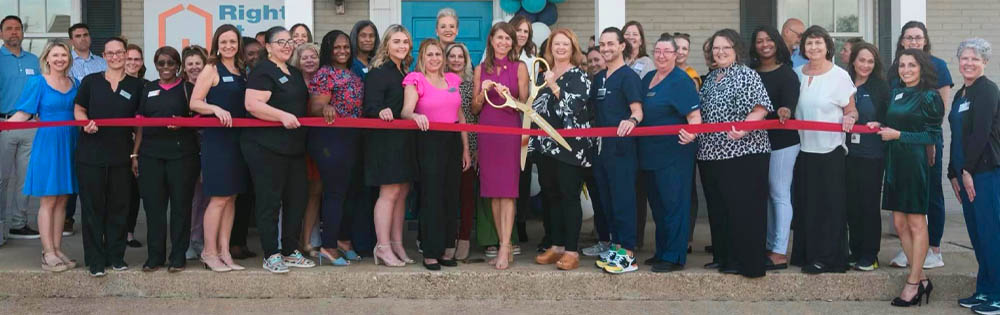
[(289, 94), (109, 146), (160, 142)]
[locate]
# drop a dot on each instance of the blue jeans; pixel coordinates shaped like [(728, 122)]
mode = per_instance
[(935, 209), (779, 205)]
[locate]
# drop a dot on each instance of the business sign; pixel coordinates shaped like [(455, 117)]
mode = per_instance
[(180, 23)]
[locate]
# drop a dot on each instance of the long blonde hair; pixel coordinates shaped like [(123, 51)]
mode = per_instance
[(424, 45), (466, 73), (382, 55), (43, 61)]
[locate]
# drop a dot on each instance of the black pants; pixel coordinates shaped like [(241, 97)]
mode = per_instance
[(439, 155), (818, 197), (335, 151), (242, 218), (163, 181), (133, 207), (104, 197), (736, 191), (279, 183), (562, 183), (864, 202)]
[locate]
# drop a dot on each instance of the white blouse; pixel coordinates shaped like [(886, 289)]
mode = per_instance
[(823, 99)]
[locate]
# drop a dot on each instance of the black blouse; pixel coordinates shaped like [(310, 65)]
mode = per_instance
[(570, 110), (161, 142), (980, 127), (289, 94), (384, 89), (782, 86), (109, 146)]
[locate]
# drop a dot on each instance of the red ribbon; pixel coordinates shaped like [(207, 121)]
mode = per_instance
[(371, 123)]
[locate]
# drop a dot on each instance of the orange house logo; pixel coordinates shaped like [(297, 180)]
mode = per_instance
[(162, 24)]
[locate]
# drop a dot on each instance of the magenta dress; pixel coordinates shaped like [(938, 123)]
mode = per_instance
[(500, 155)]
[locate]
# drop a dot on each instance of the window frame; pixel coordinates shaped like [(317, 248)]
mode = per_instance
[(866, 19), (76, 16)]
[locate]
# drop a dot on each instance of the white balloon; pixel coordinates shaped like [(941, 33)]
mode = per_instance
[(541, 32)]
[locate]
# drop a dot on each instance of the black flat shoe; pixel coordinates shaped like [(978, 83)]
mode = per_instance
[(770, 265), (432, 267), (666, 266), (150, 268), (133, 243), (653, 261), (448, 262), (712, 265), (818, 268), (729, 270)]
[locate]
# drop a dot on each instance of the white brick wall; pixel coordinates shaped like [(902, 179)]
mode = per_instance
[(951, 21), (132, 23)]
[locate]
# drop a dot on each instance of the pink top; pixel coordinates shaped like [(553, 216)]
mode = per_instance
[(171, 85), (439, 105)]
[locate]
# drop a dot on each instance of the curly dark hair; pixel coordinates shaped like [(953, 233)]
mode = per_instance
[(781, 50), (326, 48), (928, 76)]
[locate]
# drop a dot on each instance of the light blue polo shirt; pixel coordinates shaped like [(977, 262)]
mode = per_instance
[(14, 72), (85, 66), (797, 59)]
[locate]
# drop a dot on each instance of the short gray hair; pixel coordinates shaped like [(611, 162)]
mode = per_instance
[(978, 45), (446, 12)]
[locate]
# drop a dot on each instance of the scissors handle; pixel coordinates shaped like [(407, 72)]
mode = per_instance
[(508, 99)]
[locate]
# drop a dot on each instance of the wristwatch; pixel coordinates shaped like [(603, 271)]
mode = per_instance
[(634, 120)]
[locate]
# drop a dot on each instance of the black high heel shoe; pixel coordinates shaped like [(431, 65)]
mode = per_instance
[(915, 300), (927, 289)]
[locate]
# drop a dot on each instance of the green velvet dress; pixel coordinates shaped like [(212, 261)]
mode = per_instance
[(917, 114)]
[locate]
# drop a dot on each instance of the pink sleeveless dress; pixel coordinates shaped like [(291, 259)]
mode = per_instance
[(500, 155)]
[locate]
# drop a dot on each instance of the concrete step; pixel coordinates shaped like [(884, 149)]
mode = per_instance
[(524, 281)]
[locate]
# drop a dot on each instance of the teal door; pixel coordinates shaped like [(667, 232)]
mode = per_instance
[(474, 21)]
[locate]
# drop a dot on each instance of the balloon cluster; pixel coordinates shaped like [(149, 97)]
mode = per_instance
[(541, 11)]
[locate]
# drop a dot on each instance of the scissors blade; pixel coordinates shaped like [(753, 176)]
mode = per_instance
[(525, 124), (548, 129)]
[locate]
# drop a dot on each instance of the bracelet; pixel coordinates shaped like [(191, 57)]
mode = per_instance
[(634, 120), (132, 156)]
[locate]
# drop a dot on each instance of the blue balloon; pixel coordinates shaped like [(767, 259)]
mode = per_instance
[(510, 6), (533, 6), (549, 15), (532, 18)]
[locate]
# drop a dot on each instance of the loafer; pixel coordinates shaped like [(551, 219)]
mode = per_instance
[(729, 270), (568, 262), (666, 266), (150, 268), (652, 261), (548, 257), (712, 265)]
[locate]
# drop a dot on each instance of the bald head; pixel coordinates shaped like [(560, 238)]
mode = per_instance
[(791, 32)]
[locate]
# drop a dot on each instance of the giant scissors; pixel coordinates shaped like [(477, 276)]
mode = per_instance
[(529, 114)]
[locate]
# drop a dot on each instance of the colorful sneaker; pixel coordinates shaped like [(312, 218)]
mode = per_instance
[(933, 260), (987, 308), (596, 250), (865, 265), (973, 300), (275, 264), (298, 261), (607, 256), (622, 263)]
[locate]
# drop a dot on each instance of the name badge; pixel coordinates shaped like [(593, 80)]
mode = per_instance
[(451, 90), (126, 95), (29, 71), (227, 79), (153, 93), (283, 79), (899, 96), (855, 138), (601, 93), (650, 94), (963, 107), (365, 70)]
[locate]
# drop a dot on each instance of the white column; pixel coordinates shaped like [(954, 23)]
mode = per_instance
[(608, 13), (498, 14), (384, 13), (298, 11), (904, 11)]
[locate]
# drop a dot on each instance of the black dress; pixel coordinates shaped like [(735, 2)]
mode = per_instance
[(390, 155), (224, 171)]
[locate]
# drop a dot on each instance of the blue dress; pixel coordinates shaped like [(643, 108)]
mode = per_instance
[(50, 168), (224, 172)]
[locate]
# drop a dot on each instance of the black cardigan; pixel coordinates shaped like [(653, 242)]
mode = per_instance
[(980, 127)]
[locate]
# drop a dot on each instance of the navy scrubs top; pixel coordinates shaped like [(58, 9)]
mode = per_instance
[(610, 97), (667, 103)]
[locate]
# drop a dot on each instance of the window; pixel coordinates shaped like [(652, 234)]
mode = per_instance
[(44, 20), (844, 19)]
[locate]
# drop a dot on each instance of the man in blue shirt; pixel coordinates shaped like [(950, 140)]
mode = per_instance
[(84, 62), (16, 65), (791, 33)]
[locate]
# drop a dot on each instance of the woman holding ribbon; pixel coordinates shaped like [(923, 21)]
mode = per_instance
[(500, 74)]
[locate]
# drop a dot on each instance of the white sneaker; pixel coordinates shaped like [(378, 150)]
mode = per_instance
[(933, 260), (899, 261), (595, 250)]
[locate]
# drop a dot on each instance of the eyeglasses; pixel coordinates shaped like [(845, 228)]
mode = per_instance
[(913, 38), (119, 53), (284, 42), (165, 63), (721, 48), (663, 52)]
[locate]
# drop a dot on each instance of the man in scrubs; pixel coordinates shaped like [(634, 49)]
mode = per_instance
[(668, 161), (617, 98)]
